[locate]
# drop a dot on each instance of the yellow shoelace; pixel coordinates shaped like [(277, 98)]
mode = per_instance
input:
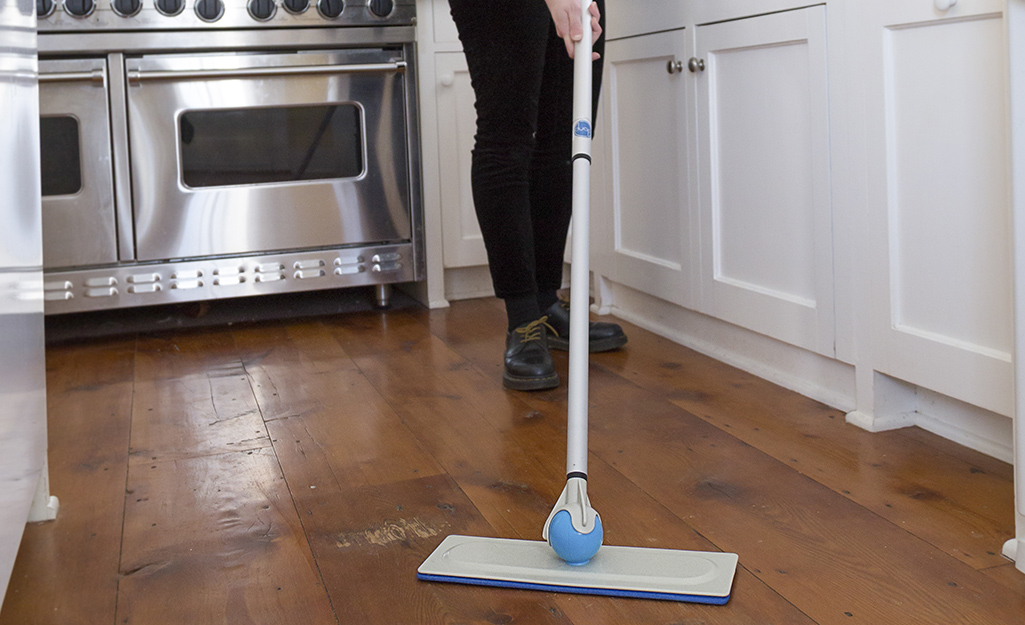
[(532, 331)]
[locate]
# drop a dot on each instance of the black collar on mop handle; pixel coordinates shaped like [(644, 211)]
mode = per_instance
[(574, 474), (582, 155)]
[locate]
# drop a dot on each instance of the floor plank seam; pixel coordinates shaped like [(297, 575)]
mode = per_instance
[(128, 466), (291, 495)]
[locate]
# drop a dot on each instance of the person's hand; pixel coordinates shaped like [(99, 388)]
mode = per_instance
[(566, 14)]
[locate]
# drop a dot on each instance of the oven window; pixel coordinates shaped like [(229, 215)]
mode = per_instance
[(267, 145), (60, 156)]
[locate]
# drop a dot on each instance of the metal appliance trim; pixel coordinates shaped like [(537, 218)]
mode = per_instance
[(125, 219), (414, 162), (229, 40), (136, 76), (89, 76), (174, 282)]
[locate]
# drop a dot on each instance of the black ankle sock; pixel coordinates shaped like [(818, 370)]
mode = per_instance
[(521, 310), (546, 299)]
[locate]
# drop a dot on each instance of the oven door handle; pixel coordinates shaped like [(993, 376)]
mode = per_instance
[(95, 76), (137, 76)]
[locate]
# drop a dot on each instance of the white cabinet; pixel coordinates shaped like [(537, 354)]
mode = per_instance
[(718, 174), (463, 245), (765, 212), (938, 216), (650, 237)]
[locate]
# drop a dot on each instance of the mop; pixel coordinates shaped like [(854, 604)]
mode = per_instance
[(571, 557)]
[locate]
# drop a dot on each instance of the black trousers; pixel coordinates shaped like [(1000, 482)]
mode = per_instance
[(521, 173)]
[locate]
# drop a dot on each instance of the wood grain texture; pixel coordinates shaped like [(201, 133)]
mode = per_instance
[(299, 472), (67, 570), (954, 504), (216, 539), (829, 556), (371, 540)]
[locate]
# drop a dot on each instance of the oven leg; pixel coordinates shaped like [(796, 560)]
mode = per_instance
[(382, 294)]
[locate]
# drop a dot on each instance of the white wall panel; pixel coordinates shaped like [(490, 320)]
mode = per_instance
[(457, 123)]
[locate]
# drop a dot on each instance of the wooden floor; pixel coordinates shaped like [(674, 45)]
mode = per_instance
[(299, 472)]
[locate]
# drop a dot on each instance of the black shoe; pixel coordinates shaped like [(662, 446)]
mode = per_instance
[(601, 336), (528, 364)]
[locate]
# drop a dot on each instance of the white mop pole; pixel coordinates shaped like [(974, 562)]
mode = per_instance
[(580, 277), (578, 542)]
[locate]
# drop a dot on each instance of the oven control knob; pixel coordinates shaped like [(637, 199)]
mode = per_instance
[(126, 8), (79, 8), (209, 10), (170, 7), (331, 8), (262, 10), (296, 6), (382, 8), (44, 8)]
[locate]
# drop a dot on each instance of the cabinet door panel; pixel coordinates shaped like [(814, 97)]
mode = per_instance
[(648, 126), (766, 219), (939, 200), (457, 124)]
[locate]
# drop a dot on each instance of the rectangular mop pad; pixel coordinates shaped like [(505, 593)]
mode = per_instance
[(694, 576)]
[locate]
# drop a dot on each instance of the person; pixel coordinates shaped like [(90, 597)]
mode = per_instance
[(519, 56)]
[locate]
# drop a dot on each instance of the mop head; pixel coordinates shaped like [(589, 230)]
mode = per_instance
[(674, 575), (573, 529), (575, 547)]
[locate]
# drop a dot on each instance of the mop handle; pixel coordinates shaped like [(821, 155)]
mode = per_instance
[(576, 443)]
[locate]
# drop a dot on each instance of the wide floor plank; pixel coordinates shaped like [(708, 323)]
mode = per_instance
[(893, 475), (68, 573), (216, 539)]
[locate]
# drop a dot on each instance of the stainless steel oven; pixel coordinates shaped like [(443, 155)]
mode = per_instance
[(202, 149), (77, 179), (262, 152)]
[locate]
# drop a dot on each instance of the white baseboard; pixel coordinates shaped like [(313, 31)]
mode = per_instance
[(44, 505), (897, 404), (875, 423), (1011, 549), (976, 428), (822, 379)]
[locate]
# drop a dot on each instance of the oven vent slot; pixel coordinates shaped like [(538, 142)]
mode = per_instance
[(269, 272), (347, 265), (144, 278), (109, 291), (231, 280), (141, 289), (386, 262), (58, 290)]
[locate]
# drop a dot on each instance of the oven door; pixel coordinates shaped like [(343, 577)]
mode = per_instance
[(245, 153), (75, 154)]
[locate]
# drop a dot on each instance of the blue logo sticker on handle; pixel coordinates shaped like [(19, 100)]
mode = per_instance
[(582, 129)]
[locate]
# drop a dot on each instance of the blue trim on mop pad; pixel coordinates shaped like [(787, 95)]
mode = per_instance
[(668, 574), (607, 592)]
